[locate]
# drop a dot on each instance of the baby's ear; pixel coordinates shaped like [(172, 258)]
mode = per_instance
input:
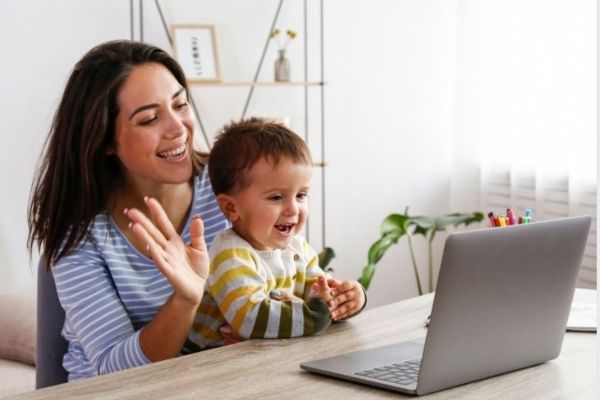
[(227, 206)]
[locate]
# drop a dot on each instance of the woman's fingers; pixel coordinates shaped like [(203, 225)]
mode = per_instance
[(150, 231), (197, 234), (197, 248), (142, 233), (156, 243), (156, 251), (162, 229), (161, 259), (161, 218), (185, 267)]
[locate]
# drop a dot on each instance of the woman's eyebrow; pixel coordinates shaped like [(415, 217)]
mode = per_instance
[(177, 93), (142, 108), (154, 105)]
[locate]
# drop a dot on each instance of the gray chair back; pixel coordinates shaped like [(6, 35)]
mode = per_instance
[(51, 346)]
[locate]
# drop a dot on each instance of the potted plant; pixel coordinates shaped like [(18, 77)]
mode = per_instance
[(395, 226)]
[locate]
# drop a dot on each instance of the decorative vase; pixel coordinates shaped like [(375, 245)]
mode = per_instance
[(282, 68)]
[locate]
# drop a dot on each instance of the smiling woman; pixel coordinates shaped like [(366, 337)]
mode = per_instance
[(121, 140), (153, 129)]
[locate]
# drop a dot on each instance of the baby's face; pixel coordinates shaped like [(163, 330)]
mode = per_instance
[(274, 207)]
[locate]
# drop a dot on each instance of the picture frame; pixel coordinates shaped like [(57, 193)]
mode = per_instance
[(196, 51)]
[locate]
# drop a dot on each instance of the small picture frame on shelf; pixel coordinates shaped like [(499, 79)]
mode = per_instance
[(196, 51)]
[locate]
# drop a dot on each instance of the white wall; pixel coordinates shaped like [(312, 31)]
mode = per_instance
[(40, 42), (389, 127), (389, 66)]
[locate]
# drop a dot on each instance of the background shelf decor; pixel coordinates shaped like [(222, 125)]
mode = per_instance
[(308, 109), (240, 83)]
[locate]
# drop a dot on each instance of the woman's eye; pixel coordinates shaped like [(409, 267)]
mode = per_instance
[(148, 121), (181, 106)]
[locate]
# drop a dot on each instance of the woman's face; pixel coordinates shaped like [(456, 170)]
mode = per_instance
[(154, 128)]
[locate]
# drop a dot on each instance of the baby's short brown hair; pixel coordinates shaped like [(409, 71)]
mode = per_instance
[(242, 144)]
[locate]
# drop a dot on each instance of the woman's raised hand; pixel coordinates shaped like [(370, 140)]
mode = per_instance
[(185, 267)]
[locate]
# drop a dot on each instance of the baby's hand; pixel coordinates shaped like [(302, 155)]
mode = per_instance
[(348, 298), (280, 295), (322, 289)]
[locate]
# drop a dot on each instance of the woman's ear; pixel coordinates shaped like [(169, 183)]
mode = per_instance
[(227, 205)]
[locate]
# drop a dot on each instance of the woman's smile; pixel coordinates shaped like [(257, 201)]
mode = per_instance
[(176, 154)]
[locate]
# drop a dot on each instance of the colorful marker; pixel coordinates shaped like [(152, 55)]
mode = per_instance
[(510, 216), (492, 220)]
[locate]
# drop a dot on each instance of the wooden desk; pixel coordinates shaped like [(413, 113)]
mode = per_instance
[(269, 369)]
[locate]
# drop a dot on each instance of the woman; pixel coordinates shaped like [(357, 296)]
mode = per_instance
[(121, 144)]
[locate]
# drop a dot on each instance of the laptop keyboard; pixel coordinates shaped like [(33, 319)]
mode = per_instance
[(403, 373)]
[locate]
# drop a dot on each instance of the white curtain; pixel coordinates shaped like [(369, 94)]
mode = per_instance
[(526, 110)]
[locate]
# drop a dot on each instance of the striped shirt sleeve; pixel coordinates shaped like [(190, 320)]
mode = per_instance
[(94, 310), (313, 270), (241, 293)]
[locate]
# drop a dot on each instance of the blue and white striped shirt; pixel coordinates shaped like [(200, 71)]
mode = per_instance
[(109, 291)]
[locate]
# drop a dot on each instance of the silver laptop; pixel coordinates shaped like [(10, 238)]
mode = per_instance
[(501, 304)]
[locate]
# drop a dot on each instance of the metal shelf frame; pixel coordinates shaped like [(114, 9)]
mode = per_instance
[(255, 83)]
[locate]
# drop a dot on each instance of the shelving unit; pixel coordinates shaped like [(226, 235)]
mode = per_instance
[(306, 84), (248, 83)]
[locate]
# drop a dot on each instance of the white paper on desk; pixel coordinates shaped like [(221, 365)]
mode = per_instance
[(583, 317)]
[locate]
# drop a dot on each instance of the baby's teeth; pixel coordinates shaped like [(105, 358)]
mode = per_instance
[(284, 228)]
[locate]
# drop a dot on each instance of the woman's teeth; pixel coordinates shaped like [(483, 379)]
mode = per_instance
[(175, 153)]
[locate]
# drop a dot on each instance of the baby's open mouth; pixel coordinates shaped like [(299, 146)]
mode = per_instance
[(285, 228), (172, 154)]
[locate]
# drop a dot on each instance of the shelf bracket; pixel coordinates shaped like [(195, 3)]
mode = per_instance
[(262, 58), (193, 103)]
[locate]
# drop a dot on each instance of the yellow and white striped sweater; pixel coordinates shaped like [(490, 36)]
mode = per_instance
[(238, 287)]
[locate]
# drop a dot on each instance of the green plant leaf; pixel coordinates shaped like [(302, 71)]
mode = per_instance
[(325, 257), (367, 276), (394, 226), (379, 248), (456, 219), (423, 224), (394, 223)]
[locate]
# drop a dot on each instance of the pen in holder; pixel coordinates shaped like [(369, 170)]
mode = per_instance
[(510, 218)]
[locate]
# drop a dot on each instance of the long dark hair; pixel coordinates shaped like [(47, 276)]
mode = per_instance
[(77, 177)]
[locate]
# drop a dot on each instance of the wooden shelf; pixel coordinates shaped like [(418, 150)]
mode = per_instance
[(249, 84)]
